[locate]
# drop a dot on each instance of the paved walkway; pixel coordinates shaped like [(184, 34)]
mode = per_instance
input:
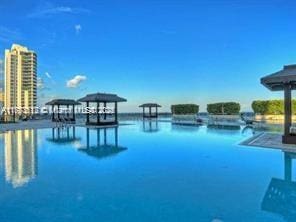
[(42, 124), (269, 140), (31, 124)]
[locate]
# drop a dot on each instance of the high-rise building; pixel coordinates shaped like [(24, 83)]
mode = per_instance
[(20, 77)]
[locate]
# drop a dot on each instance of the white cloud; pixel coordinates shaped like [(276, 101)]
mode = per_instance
[(75, 82), (48, 75), (77, 28), (40, 83), (49, 10), (7, 34)]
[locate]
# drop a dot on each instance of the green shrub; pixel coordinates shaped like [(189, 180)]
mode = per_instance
[(259, 106), (228, 108), (271, 107), (185, 109)]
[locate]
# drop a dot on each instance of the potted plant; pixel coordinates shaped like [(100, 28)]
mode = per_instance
[(224, 114), (185, 114)]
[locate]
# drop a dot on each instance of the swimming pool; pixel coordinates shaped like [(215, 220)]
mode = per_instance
[(142, 172)]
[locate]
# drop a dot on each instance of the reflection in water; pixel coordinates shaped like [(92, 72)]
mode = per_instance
[(280, 197), (103, 147), (222, 127), (63, 135), (150, 126), (224, 130), (248, 130), (2, 158), (185, 128), (20, 156)]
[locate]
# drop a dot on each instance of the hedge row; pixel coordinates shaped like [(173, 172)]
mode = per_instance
[(228, 108), (185, 109), (271, 107), (263, 107)]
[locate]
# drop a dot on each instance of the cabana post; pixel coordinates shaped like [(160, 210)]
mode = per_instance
[(150, 106), (104, 98), (63, 102), (284, 80)]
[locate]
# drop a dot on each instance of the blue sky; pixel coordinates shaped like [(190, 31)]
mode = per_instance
[(164, 51)]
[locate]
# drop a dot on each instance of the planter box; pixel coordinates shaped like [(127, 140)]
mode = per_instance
[(272, 118), (224, 120)]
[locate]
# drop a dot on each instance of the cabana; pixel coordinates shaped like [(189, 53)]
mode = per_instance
[(284, 80), (63, 103), (150, 113), (97, 99)]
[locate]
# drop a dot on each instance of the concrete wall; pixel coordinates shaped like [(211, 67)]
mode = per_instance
[(272, 118), (225, 120)]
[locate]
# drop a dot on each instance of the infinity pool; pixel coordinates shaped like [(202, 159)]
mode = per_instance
[(143, 172)]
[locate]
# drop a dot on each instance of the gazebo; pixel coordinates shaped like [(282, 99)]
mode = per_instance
[(63, 103), (150, 113), (284, 80), (97, 99)]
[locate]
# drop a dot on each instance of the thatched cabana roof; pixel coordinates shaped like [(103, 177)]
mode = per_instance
[(150, 105), (102, 97), (277, 80), (63, 102)]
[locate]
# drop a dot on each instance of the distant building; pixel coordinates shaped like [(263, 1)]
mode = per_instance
[(20, 77)]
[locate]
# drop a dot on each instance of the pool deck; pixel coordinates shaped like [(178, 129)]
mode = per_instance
[(43, 124), (269, 140), (264, 140), (31, 124)]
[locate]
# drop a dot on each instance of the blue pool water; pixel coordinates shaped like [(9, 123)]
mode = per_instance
[(143, 173)]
